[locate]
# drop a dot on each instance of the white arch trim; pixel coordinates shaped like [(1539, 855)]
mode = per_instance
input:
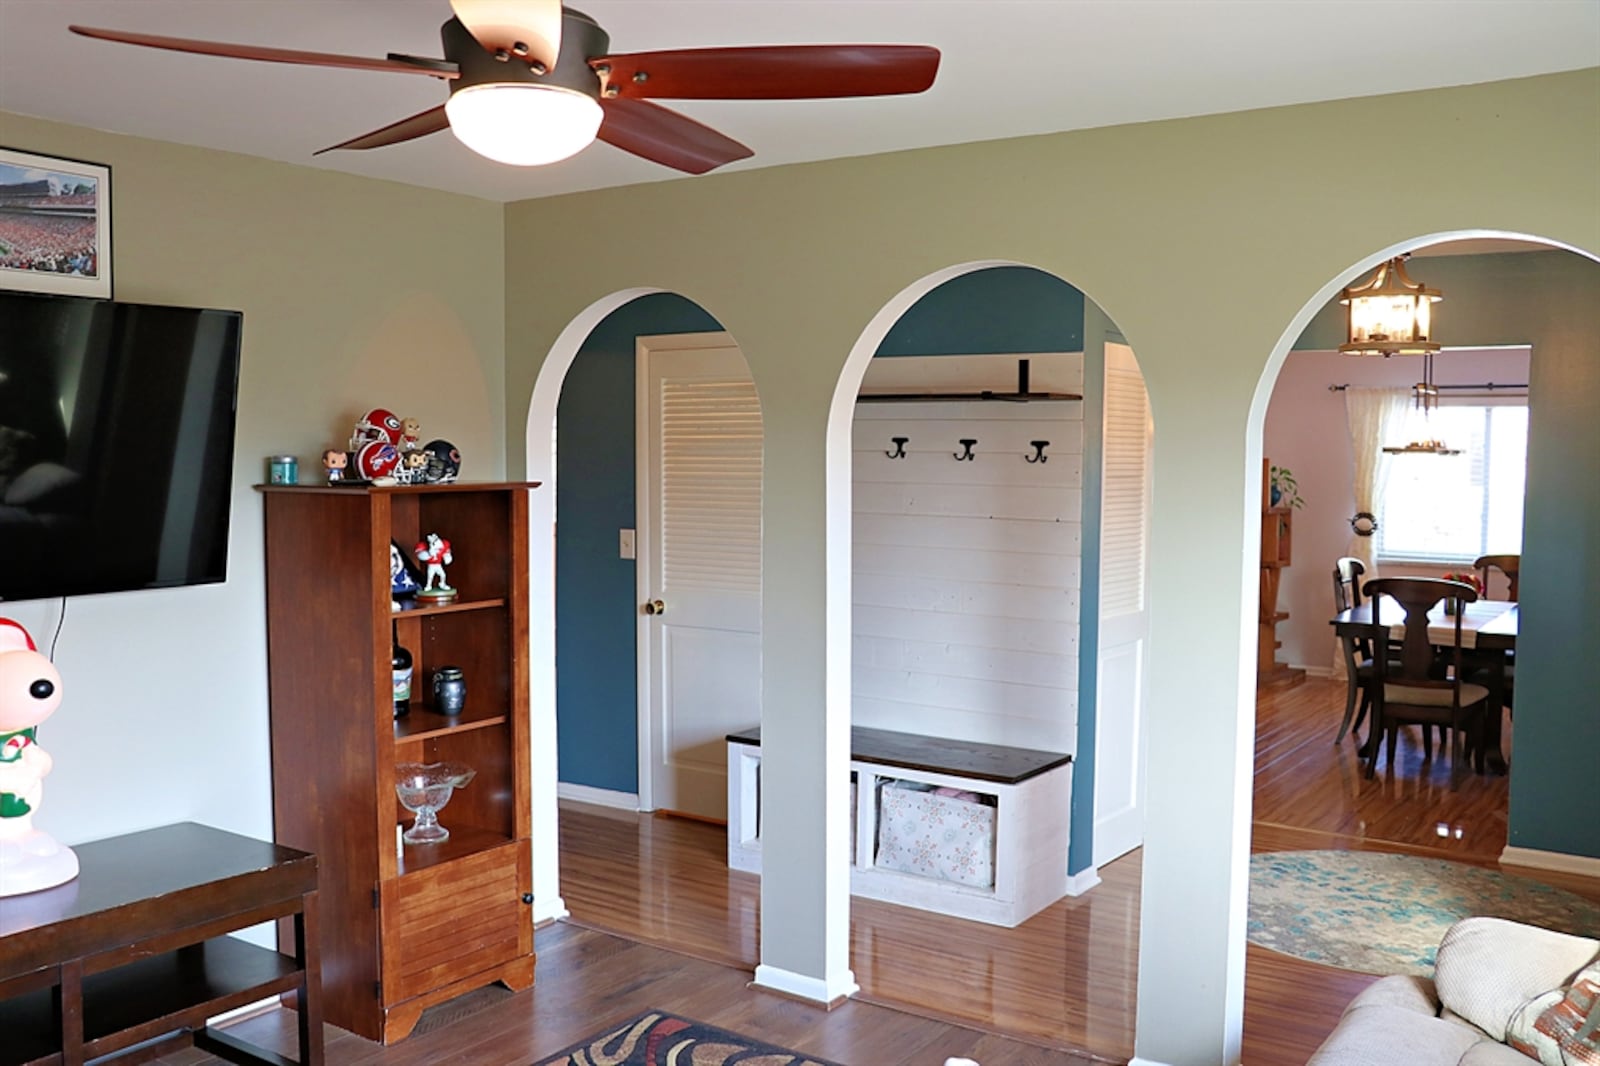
[(547, 902)]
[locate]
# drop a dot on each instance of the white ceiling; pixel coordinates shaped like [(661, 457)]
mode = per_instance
[(1010, 68)]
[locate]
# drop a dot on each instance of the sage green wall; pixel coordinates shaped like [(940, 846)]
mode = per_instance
[(1210, 242), (355, 293)]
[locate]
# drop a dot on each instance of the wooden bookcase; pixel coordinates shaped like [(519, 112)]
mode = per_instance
[(403, 926), (1276, 534)]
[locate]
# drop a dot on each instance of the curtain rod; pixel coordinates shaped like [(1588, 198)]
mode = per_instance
[(1487, 386)]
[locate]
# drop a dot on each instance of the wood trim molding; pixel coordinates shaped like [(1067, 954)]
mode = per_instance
[(1082, 881), (1559, 861), (830, 993)]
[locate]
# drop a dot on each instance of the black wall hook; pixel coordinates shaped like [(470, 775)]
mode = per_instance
[(1038, 455), (966, 454), (899, 448)]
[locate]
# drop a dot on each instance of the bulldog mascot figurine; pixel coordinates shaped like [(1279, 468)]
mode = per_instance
[(30, 691)]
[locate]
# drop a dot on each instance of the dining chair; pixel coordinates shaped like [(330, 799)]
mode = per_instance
[(1408, 689), (1506, 564), (1357, 650)]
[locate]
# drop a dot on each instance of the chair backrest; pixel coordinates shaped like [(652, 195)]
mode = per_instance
[(1506, 564), (1347, 583), (1416, 596)]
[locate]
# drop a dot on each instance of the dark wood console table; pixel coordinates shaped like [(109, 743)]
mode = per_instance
[(135, 949)]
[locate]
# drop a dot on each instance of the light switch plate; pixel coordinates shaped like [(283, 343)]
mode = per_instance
[(625, 543)]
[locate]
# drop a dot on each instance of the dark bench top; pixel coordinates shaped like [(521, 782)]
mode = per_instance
[(958, 758)]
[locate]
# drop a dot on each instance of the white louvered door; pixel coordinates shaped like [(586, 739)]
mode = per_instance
[(1124, 559), (699, 514)]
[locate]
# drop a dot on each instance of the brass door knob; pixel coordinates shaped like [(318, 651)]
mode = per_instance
[(655, 607)]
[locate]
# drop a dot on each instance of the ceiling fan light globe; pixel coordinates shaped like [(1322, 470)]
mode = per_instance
[(523, 125)]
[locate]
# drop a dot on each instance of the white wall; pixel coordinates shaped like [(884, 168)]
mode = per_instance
[(966, 573), (1307, 432)]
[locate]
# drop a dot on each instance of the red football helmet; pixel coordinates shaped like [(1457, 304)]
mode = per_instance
[(376, 424), (377, 458)]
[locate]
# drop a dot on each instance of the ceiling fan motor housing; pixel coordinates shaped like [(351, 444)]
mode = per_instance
[(581, 38)]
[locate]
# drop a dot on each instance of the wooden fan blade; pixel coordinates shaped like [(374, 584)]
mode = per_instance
[(419, 125), (775, 72), (528, 29), (666, 137), (269, 55)]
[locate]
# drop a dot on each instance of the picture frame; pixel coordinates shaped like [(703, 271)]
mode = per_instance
[(55, 225)]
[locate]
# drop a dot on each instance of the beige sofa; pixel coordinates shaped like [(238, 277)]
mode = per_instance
[(1498, 986)]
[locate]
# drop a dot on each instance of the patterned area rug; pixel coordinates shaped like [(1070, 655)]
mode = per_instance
[(1385, 914), (656, 1038)]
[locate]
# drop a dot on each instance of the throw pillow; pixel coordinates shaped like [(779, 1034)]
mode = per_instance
[(1554, 1027)]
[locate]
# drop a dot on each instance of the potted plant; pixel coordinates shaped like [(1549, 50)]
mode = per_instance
[(1285, 490)]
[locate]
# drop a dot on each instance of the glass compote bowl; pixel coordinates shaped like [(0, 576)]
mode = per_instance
[(424, 789)]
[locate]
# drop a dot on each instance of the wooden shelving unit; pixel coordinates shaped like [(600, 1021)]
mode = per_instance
[(1277, 528), (404, 926)]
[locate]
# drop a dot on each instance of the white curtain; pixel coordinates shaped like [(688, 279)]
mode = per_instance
[(1375, 416)]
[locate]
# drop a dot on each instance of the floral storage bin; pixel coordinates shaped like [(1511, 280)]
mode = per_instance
[(939, 833)]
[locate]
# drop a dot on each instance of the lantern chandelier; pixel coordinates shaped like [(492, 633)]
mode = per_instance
[(1390, 314)]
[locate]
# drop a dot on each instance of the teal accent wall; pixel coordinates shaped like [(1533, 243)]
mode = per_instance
[(1000, 310), (1550, 300), (1098, 328), (597, 714)]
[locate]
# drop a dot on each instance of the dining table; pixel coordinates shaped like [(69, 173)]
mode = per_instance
[(1488, 632)]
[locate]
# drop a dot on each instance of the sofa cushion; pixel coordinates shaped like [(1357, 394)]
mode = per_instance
[(1382, 1034), (1400, 990), (1488, 1053), (1547, 1027), (1487, 968)]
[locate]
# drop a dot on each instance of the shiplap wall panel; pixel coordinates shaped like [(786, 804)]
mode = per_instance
[(967, 573), (948, 627), (994, 567)]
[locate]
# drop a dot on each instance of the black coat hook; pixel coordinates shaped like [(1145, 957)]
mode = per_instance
[(1038, 455), (899, 448), (966, 454)]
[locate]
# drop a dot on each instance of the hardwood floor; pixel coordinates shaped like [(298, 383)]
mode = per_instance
[(659, 920)]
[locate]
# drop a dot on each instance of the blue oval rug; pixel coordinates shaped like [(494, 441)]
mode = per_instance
[(1385, 914)]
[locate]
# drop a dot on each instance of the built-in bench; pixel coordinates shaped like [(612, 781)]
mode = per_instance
[(1000, 860)]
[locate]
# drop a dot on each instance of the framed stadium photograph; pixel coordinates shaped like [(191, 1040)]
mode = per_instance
[(55, 225)]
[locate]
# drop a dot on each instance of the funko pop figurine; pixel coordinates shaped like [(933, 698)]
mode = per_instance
[(334, 462), (410, 435), (413, 468)]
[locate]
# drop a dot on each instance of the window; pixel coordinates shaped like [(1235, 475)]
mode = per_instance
[(1454, 508)]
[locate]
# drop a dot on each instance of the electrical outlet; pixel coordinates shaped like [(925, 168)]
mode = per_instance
[(625, 542)]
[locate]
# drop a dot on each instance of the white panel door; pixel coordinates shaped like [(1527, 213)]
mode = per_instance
[(699, 515), (1119, 757)]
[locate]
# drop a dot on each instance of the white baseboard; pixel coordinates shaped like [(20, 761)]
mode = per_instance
[(599, 797), (1558, 861), (838, 987), (1137, 1061), (1317, 671), (549, 910), (1082, 881)]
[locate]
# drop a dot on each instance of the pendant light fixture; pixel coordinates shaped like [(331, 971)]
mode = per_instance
[(1389, 314)]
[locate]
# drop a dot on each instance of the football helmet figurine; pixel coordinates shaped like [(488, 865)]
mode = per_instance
[(444, 461), (377, 424), (377, 459)]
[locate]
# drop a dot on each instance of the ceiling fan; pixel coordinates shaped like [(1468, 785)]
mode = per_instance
[(533, 82)]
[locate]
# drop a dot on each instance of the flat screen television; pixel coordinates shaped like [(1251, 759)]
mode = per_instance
[(116, 444)]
